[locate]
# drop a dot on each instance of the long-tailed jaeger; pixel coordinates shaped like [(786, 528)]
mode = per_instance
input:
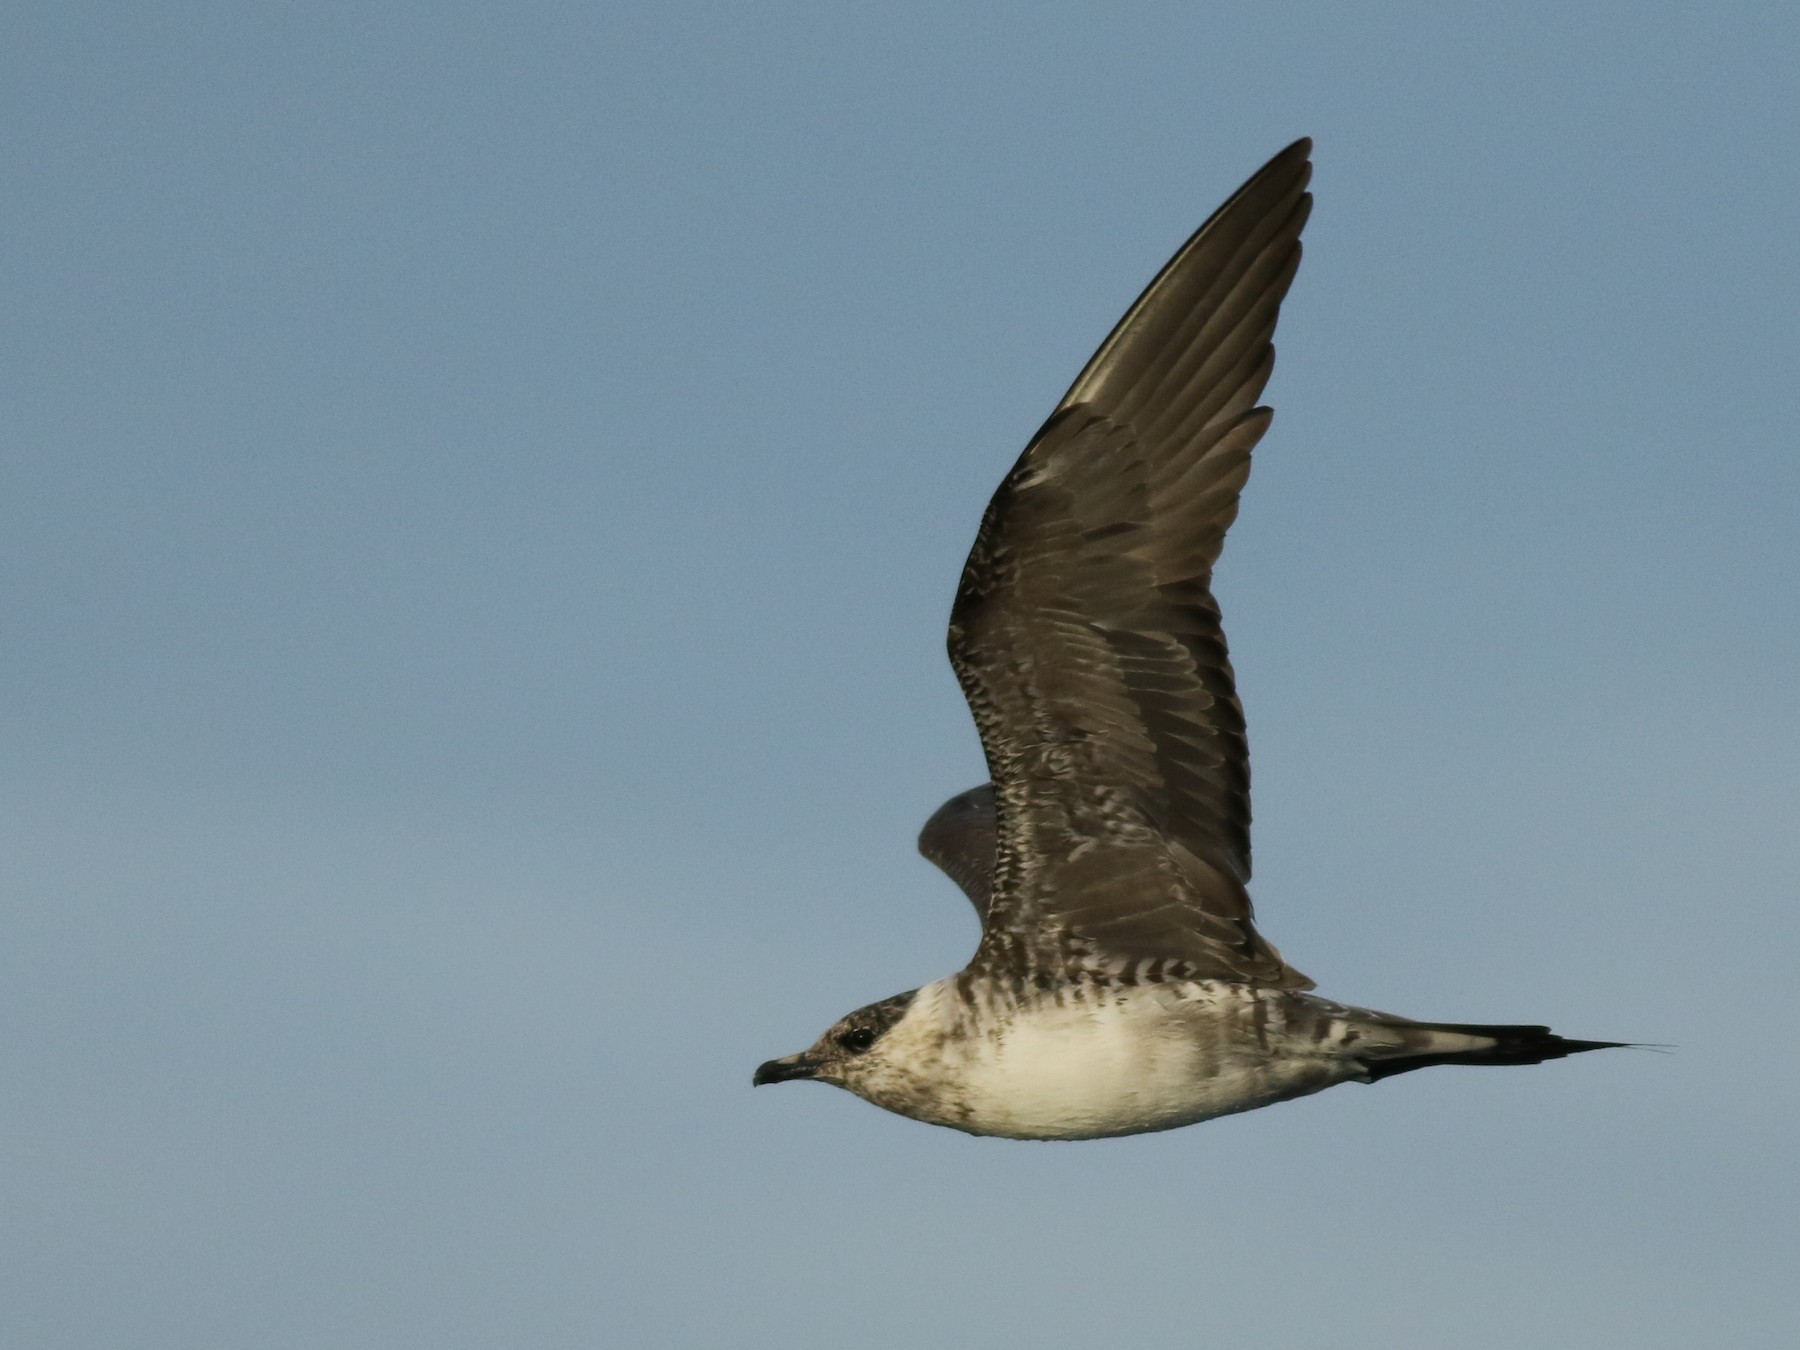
[(1120, 985)]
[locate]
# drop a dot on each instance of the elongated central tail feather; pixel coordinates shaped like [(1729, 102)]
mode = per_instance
[(1449, 1043)]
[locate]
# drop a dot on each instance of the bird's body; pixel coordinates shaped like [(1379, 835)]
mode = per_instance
[(1120, 985), (1097, 1055), (1093, 1057)]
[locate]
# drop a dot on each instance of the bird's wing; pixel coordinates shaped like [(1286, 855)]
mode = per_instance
[(959, 838), (1087, 640)]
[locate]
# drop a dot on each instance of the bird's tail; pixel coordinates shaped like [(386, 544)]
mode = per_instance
[(1429, 1043)]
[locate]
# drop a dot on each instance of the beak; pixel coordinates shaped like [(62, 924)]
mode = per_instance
[(784, 1070)]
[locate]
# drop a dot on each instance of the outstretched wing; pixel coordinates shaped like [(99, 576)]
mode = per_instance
[(1087, 640), (959, 838)]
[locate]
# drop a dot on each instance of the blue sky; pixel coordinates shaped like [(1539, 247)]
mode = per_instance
[(484, 487)]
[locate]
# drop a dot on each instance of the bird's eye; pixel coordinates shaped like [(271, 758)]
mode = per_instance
[(859, 1039)]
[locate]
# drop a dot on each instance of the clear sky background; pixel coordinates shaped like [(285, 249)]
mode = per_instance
[(483, 491)]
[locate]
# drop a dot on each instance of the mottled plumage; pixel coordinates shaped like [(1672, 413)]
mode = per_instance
[(1120, 984)]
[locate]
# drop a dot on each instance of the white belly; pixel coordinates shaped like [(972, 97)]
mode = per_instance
[(1145, 1059)]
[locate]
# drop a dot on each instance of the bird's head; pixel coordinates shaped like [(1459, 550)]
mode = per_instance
[(849, 1055)]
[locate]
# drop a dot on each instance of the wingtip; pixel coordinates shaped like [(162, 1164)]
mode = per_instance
[(1289, 156), (1290, 164)]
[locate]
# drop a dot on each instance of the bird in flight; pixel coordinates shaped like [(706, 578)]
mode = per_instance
[(1120, 985)]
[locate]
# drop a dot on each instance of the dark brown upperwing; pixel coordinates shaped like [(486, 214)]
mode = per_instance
[(1086, 637)]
